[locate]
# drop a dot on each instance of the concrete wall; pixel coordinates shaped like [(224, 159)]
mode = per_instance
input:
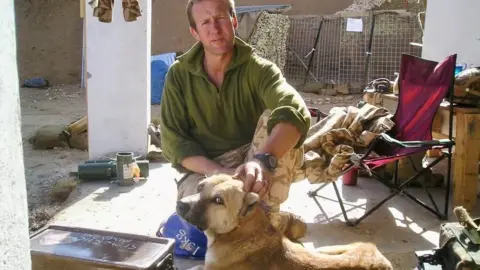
[(14, 243), (49, 38), (50, 32), (447, 31)]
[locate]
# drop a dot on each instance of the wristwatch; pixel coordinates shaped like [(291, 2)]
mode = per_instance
[(268, 160)]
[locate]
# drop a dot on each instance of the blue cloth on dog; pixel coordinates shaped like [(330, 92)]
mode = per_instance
[(190, 242)]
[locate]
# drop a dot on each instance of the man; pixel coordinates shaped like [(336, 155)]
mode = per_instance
[(218, 97)]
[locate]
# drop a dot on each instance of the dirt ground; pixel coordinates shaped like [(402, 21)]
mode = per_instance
[(41, 107), (65, 104)]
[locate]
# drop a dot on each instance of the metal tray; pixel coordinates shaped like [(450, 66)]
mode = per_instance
[(58, 247)]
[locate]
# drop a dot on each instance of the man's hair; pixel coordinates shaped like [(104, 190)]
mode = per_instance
[(231, 10)]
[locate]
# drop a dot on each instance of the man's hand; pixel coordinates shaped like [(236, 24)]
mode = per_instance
[(254, 177)]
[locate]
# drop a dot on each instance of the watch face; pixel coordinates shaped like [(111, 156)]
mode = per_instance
[(272, 161)]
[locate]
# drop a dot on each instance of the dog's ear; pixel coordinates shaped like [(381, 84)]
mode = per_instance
[(249, 202)]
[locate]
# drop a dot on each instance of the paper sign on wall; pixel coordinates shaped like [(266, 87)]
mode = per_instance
[(354, 25)]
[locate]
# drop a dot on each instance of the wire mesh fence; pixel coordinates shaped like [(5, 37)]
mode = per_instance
[(338, 56)]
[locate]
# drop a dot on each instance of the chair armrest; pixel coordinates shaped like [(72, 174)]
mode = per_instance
[(415, 144)]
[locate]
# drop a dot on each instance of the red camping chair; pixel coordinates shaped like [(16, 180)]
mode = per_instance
[(423, 85)]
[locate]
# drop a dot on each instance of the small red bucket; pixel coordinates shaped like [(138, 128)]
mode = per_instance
[(350, 178)]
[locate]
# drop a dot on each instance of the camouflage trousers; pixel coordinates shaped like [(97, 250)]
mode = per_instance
[(279, 183)]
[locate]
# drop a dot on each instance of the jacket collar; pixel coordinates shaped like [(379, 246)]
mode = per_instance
[(193, 58)]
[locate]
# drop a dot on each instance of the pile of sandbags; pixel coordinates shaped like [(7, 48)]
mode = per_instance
[(74, 136)]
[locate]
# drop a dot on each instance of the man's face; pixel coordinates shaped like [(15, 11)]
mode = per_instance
[(215, 28)]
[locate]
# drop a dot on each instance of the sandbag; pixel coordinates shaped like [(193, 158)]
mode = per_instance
[(79, 141), (49, 137)]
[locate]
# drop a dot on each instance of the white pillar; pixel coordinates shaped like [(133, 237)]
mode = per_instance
[(14, 239), (447, 31), (118, 81)]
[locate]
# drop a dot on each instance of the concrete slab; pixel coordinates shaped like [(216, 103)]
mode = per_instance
[(137, 209), (398, 228)]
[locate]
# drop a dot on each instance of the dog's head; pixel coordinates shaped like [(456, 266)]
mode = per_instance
[(219, 205)]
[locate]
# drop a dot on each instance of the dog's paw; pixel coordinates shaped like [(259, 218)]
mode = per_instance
[(290, 225), (298, 229)]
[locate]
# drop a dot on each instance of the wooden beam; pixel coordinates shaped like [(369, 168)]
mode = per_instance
[(465, 173), (82, 8), (437, 135)]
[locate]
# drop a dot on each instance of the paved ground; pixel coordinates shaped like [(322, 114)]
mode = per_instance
[(398, 228)]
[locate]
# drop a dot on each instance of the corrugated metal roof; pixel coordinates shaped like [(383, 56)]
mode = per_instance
[(272, 8)]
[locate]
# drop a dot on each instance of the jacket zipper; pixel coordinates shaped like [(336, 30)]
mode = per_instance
[(218, 91), (221, 90)]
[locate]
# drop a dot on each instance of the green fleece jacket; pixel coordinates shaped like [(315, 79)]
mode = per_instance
[(198, 119)]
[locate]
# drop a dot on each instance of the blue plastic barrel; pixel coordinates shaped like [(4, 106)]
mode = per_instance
[(159, 68)]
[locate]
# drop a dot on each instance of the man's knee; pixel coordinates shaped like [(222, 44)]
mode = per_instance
[(188, 185), (277, 195)]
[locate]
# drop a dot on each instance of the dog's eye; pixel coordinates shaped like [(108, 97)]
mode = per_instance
[(218, 200), (200, 188)]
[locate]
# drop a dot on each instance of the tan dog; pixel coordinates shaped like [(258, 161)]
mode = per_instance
[(241, 237)]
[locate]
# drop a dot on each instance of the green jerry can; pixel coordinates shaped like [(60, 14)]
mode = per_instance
[(459, 245), (71, 248)]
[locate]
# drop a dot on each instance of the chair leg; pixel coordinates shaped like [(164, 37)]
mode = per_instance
[(313, 193), (424, 205), (435, 211), (395, 177), (373, 209), (400, 189), (447, 194), (340, 201), (424, 187), (396, 189), (395, 192), (353, 223)]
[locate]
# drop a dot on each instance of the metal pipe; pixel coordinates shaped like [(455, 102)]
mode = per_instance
[(124, 168), (450, 138), (369, 51), (305, 66), (82, 79), (314, 49)]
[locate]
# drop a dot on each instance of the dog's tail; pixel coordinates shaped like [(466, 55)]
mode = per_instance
[(358, 252)]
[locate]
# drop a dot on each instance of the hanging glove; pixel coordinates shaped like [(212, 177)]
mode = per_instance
[(131, 10), (102, 9)]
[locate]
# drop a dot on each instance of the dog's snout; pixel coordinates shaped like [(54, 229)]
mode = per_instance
[(182, 208)]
